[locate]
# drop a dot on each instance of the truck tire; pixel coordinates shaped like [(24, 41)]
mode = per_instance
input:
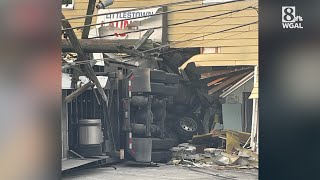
[(171, 78), (157, 76), (162, 144), (161, 156), (187, 126), (157, 88)]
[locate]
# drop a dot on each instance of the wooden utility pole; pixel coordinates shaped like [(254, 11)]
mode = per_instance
[(88, 20)]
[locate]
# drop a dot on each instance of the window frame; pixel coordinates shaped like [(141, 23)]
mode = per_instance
[(69, 6)]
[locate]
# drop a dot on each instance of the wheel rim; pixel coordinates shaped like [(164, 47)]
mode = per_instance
[(188, 124)]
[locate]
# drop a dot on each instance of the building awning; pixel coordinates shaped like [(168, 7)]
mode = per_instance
[(220, 59)]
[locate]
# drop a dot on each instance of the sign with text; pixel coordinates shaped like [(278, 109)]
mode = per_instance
[(121, 21)]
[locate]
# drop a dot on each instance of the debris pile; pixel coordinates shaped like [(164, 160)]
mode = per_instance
[(206, 151)]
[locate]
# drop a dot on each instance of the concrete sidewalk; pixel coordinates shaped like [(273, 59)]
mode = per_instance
[(164, 172)]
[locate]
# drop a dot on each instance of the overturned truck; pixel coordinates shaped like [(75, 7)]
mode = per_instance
[(140, 117)]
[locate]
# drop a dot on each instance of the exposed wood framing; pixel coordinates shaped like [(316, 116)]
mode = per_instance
[(227, 82), (222, 72), (216, 81)]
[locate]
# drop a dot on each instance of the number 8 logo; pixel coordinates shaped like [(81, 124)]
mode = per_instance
[(288, 14)]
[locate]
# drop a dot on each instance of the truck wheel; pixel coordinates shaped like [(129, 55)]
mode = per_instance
[(186, 127), (162, 144), (157, 76), (171, 78), (161, 156)]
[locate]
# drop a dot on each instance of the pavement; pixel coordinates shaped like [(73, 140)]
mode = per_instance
[(163, 172)]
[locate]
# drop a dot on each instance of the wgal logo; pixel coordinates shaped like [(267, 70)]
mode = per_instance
[(289, 18)]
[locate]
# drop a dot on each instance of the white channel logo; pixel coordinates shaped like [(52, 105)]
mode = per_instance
[(289, 18)]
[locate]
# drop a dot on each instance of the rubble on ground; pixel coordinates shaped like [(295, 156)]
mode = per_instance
[(203, 155)]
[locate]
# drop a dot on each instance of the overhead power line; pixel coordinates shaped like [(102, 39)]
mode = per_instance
[(210, 24), (217, 32), (175, 24), (210, 40), (67, 65), (156, 14), (160, 47)]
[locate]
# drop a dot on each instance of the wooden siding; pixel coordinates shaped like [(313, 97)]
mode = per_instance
[(239, 41), (80, 9), (194, 29)]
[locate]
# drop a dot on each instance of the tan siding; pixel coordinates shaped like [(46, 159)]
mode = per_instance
[(80, 9), (240, 49), (237, 42), (209, 29)]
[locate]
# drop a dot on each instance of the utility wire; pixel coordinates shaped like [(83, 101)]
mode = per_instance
[(160, 13), (252, 6), (166, 52), (210, 40), (136, 9), (103, 59), (225, 30), (204, 26), (175, 24)]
